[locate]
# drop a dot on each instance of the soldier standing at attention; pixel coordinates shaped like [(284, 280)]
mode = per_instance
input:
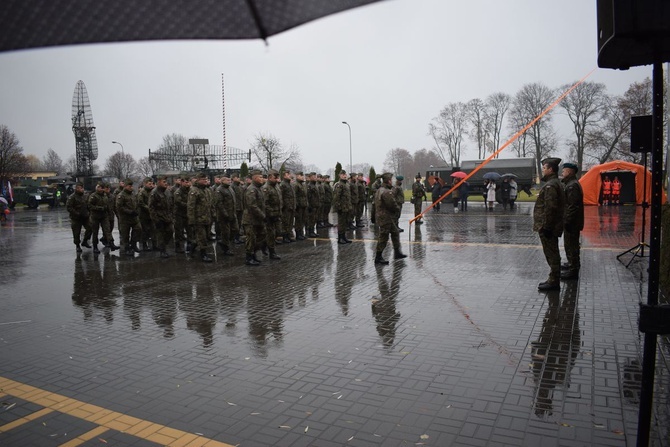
[(226, 216), (548, 221), (145, 216), (180, 209), (418, 196), (312, 205), (254, 218), (573, 222), (327, 199), (300, 205), (126, 207), (78, 210), (111, 213), (319, 212), (353, 190), (98, 206), (342, 206), (118, 190), (273, 206), (399, 196), (288, 206), (160, 209), (236, 186), (360, 185), (386, 208), (199, 210)]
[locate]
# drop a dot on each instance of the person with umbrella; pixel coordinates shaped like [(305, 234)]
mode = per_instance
[(456, 194), (463, 189), (435, 193), (548, 221), (490, 193), (513, 191)]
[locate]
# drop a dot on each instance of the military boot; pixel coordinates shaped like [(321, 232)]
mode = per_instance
[(255, 257), (164, 253), (227, 251), (264, 249), (344, 236), (397, 254), (95, 249), (204, 257), (286, 238), (380, 260), (86, 244), (135, 248), (111, 245), (145, 247), (341, 238), (129, 250), (79, 250), (178, 248), (251, 260), (274, 255)]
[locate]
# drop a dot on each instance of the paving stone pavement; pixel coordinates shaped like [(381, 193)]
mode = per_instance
[(453, 346)]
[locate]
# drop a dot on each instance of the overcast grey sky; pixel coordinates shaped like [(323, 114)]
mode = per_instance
[(387, 69)]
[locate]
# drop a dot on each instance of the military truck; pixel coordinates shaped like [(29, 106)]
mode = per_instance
[(523, 168), (32, 196)]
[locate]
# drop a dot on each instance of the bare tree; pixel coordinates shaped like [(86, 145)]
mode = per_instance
[(120, 165), (530, 102), (497, 106), (12, 161), (52, 162), (448, 130), (398, 161), (175, 151), (477, 114), (517, 121), (585, 107), (70, 165), (148, 168), (269, 152)]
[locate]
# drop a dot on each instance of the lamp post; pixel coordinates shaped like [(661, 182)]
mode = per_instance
[(350, 158), (123, 156)]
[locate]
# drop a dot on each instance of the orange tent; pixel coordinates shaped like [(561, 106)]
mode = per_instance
[(630, 175)]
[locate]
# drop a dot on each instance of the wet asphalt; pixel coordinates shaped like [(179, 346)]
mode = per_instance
[(451, 346)]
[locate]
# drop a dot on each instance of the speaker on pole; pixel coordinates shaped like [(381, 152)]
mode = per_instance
[(640, 134)]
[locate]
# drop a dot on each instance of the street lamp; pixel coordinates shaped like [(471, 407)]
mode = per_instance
[(350, 163), (123, 156)]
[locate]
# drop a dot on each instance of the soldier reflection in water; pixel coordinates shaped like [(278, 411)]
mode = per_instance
[(384, 309), (201, 311), (94, 290), (349, 268), (554, 353)]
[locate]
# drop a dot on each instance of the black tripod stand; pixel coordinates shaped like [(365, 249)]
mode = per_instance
[(638, 250)]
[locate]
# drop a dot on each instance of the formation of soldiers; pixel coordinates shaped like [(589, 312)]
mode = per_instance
[(261, 212)]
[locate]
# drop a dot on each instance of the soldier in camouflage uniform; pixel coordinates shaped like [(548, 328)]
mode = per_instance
[(313, 205), (98, 206), (342, 206), (160, 209), (360, 185), (418, 196), (300, 205), (78, 210), (288, 207), (226, 216), (353, 189), (573, 222), (319, 212), (236, 186), (129, 222), (327, 199), (254, 218), (399, 196), (548, 220), (386, 208), (273, 207), (110, 214), (199, 210), (181, 227), (145, 216)]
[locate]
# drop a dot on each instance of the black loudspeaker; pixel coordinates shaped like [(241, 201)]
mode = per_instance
[(640, 133), (633, 32)]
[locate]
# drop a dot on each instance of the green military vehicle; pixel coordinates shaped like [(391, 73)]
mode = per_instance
[(32, 196)]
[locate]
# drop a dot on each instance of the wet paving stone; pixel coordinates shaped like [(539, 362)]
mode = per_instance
[(452, 346)]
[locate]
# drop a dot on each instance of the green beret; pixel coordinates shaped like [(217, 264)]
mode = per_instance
[(400, 178), (572, 166)]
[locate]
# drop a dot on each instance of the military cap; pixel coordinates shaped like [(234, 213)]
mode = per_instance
[(387, 176), (287, 171), (255, 172), (161, 177), (570, 165), (326, 176), (200, 175), (79, 184), (107, 185), (343, 171), (418, 176), (311, 173), (299, 173), (128, 181), (100, 184), (552, 161), (273, 172), (400, 178)]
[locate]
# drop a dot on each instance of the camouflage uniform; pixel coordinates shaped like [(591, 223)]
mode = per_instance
[(573, 222), (360, 185), (386, 210), (145, 216), (199, 210), (78, 210), (548, 222), (126, 207), (98, 206), (239, 206), (399, 196), (300, 207), (313, 205), (182, 230), (226, 216), (327, 200), (353, 190), (253, 219), (160, 209), (418, 196), (342, 206), (273, 207), (288, 208)]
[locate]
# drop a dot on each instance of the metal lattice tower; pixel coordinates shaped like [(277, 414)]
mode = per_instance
[(86, 144), (200, 156)]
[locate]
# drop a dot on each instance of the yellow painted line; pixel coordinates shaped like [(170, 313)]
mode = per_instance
[(104, 418), (79, 440), (31, 417)]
